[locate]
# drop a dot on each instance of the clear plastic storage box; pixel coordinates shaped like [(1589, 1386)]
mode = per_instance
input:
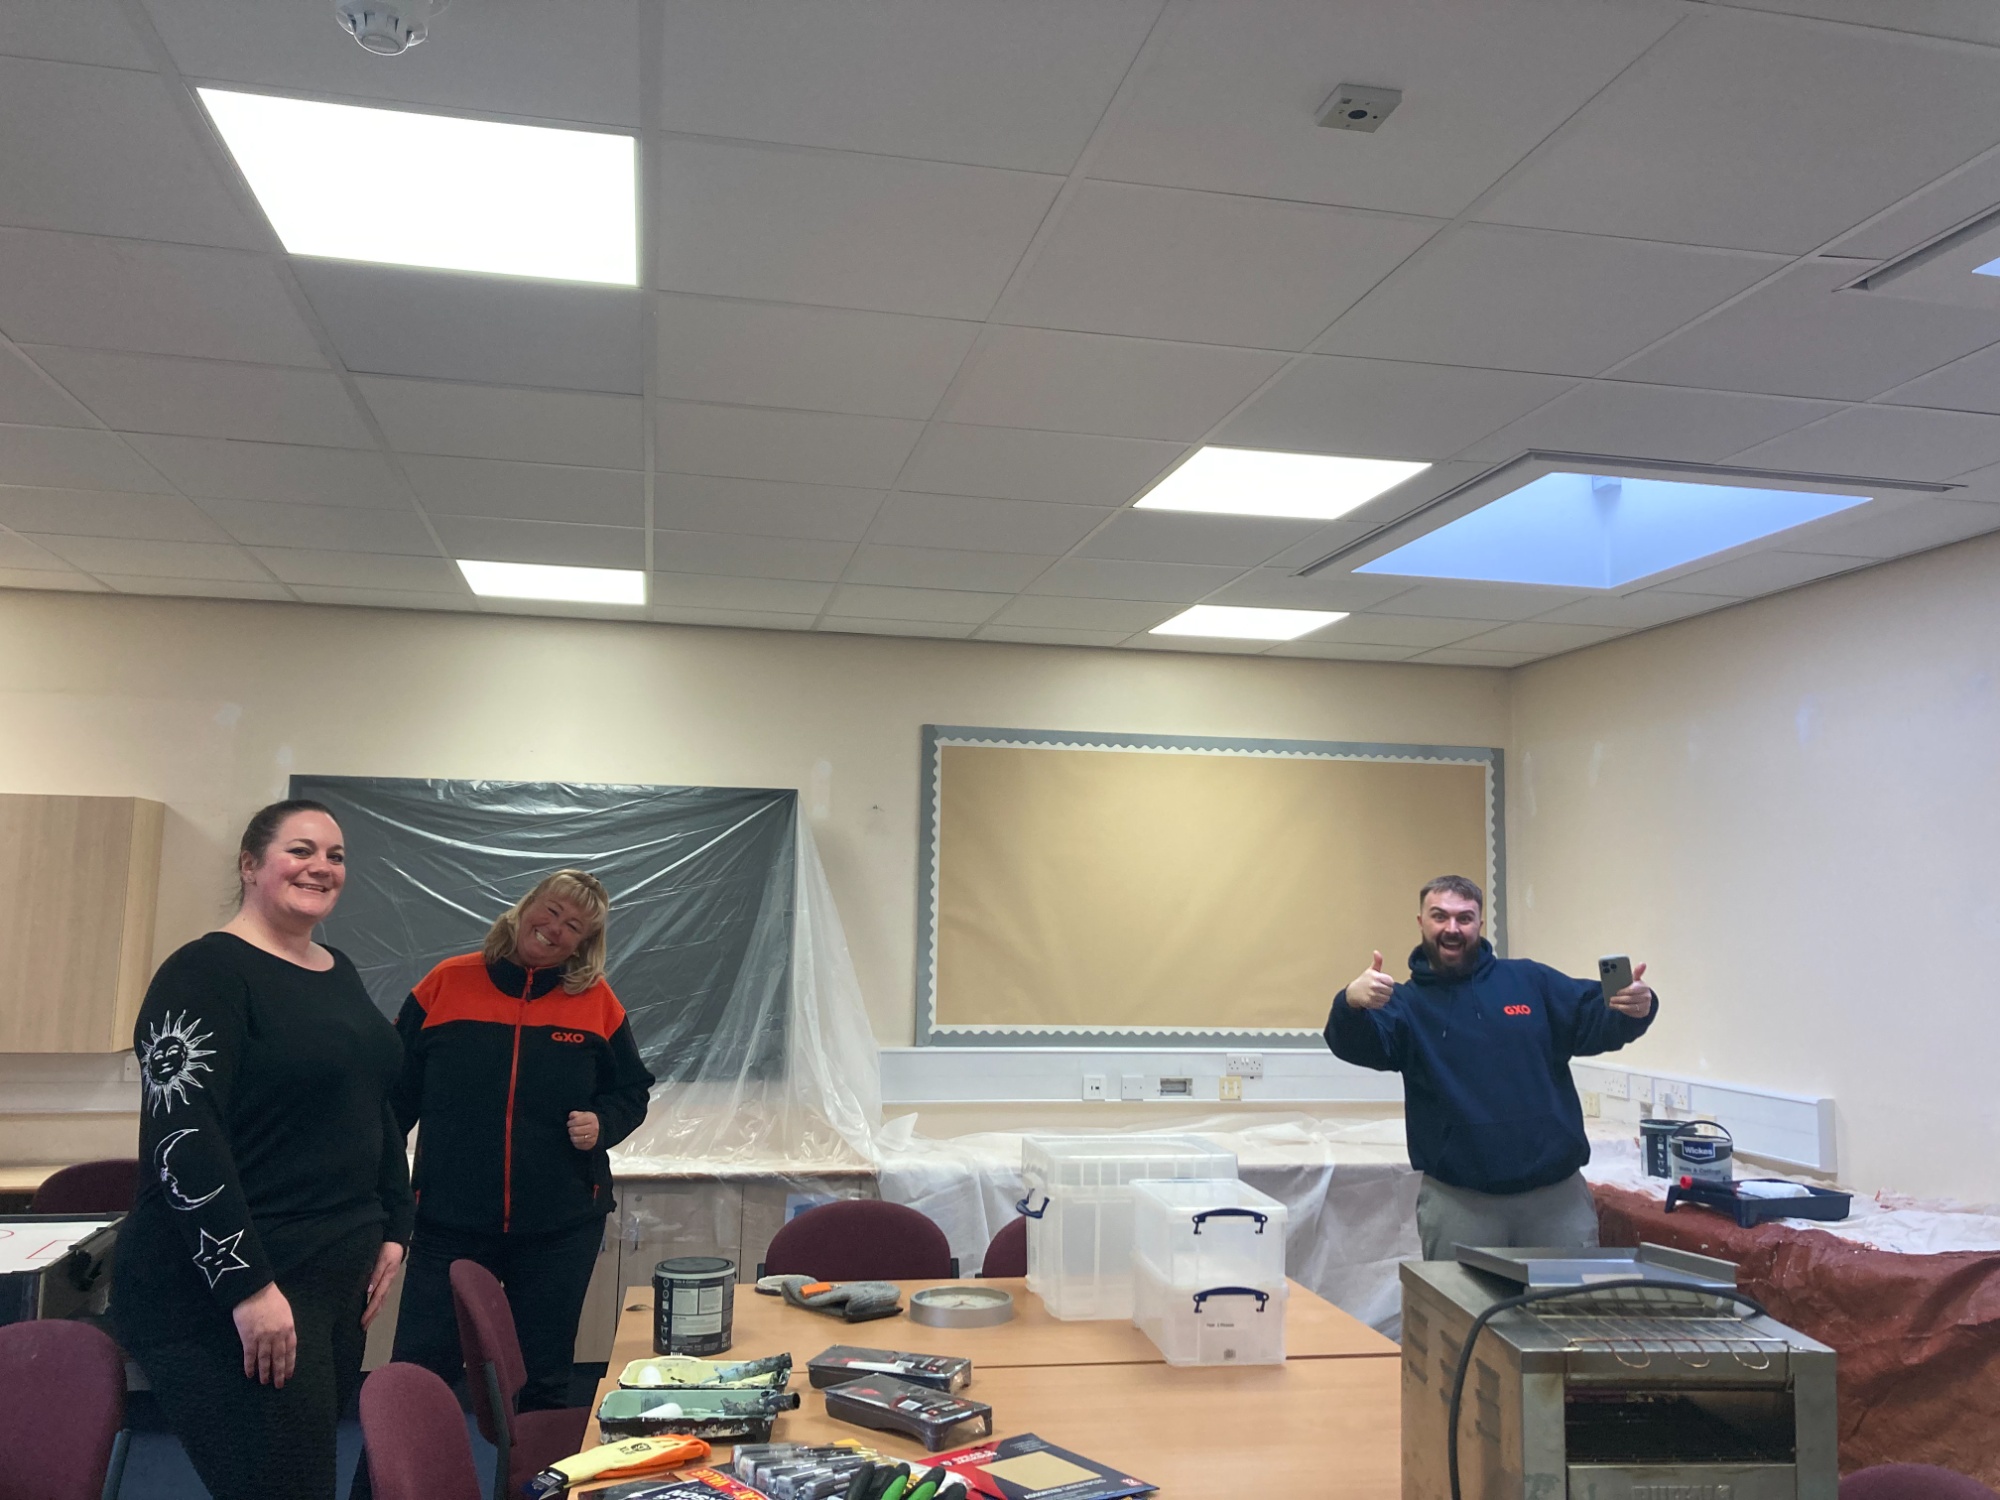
[(1208, 1261), (1079, 1208)]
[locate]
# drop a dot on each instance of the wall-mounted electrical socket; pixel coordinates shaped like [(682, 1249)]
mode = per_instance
[(1243, 1064), (1176, 1088), (1642, 1090), (1355, 106), (1093, 1086), (1592, 1105), (1617, 1086), (1132, 1086), (1671, 1095), (1229, 1088)]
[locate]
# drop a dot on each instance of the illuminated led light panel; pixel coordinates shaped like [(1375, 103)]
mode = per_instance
[(1602, 531), (1238, 623), (407, 189), (1254, 482), (507, 580)]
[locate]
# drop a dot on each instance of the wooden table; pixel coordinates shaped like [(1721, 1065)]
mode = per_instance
[(1324, 1423)]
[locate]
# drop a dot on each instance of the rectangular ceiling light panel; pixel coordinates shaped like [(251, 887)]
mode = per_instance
[(453, 194), (1602, 531), (1240, 623), (1253, 482), (506, 580)]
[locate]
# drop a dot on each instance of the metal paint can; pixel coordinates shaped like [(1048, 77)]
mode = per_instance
[(694, 1305), (1701, 1149), (1653, 1144)]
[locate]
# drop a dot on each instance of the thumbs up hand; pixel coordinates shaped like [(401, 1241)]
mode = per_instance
[(1635, 1000), (1371, 988)]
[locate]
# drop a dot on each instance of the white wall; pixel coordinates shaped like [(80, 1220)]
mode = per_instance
[(1791, 809)]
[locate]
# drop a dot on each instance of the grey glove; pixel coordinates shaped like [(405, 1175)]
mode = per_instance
[(854, 1301)]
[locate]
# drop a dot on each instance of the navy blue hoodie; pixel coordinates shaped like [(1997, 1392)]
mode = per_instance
[(1488, 1101)]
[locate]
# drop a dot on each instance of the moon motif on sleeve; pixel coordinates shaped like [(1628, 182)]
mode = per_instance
[(169, 1058), (176, 1196)]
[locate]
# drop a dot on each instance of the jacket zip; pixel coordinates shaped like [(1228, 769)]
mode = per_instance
[(513, 1080)]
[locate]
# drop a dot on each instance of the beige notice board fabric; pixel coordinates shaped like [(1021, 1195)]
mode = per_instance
[(1149, 889)]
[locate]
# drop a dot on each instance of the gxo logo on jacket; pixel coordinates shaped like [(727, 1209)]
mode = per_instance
[(1518, 1010), (573, 1037)]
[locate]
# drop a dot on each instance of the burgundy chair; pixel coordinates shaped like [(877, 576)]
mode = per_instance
[(1007, 1255), (1912, 1482), (413, 1437), (525, 1442), (860, 1239), (62, 1385), (89, 1187)]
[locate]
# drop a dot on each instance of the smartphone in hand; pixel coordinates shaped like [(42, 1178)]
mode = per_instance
[(1614, 974)]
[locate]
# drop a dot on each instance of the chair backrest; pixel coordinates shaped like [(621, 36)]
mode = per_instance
[(860, 1239), (89, 1187), (413, 1436), (1007, 1255), (486, 1333), (62, 1386), (1912, 1482)]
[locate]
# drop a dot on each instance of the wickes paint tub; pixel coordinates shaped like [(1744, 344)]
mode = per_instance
[(694, 1305)]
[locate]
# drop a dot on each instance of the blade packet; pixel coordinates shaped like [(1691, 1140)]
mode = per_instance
[(844, 1362)]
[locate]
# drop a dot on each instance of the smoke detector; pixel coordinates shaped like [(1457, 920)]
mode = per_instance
[(388, 28), (1355, 106)]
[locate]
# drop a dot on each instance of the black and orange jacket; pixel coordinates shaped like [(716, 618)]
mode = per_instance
[(494, 1059)]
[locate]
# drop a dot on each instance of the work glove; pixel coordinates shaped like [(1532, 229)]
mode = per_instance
[(853, 1301)]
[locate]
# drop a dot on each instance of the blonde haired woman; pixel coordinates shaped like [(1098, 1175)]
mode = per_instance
[(520, 1064)]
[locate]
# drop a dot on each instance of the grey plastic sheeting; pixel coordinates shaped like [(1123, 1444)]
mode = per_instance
[(702, 884)]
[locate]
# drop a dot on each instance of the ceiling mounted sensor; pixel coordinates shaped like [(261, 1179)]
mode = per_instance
[(1356, 106), (388, 28)]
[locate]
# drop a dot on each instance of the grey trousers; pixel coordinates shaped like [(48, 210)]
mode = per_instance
[(1561, 1214)]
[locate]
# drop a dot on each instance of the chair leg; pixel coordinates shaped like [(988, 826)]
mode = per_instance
[(114, 1472), (503, 1428)]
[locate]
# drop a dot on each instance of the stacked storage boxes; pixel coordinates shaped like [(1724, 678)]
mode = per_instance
[(1079, 1208), (1208, 1262)]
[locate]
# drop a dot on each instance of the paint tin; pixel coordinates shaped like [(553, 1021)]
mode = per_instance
[(694, 1304), (1701, 1149), (1653, 1144)]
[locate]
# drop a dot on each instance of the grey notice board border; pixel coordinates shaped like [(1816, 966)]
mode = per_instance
[(937, 737)]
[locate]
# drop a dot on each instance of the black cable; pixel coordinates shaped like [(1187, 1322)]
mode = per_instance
[(1551, 1294)]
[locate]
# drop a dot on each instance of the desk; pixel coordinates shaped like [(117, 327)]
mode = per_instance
[(1326, 1422)]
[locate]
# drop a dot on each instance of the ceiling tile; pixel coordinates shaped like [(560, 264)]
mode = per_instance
[(1888, 442), (1937, 209), (27, 396), (1968, 384), (982, 525), (944, 568), (790, 225), (562, 609), (219, 469), (796, 596), (702, 502), (383, 598), (1195, 645), (338, 528), (1800, 337), (797, 447), (1762, 573), (527, 492), (1282, 588), (1410, 632), (1638, 611), (1323, 648), (74, 458), (1967, 20), (81, 31), (68, 580), (939, 630), (1461, 656), (1087, 382), (104, 555), (1008, 463), (1627, 420), (1232, 90), (1048, 635), (1126, 615), (19, 554), (1206, 267), (103, 151), (1015, 85), (737, 619), (364, 570), (873, 602), (1378, 408), (1916, 527), (153, 518), (1167, 536), (196, 588), (490, 421), (1525, 299), (494, 330), (1662, 154), (1103, 578), (1478, 601), (750, 556), (1541, 635), (542, 542), (808, 358), (1328, 539), (204, 398)]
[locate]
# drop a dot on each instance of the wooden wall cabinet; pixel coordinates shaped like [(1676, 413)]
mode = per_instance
[(79, 882)]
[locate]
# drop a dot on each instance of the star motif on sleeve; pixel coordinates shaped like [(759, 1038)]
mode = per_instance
[(218, 1257)]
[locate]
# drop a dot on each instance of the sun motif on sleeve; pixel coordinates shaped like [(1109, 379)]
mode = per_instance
[(169, 1058)]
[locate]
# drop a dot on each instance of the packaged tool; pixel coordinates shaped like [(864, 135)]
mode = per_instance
[(615, 1461), (1028, 1467), (802, 1471), (844, 1362), (887, 1404), (695, 1484), (682, 1372), (720, 1415)]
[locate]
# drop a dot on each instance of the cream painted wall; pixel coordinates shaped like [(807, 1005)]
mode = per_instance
[(209, 706), (1791, 810)]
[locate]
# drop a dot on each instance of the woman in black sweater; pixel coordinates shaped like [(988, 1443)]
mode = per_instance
[(275, 1199)]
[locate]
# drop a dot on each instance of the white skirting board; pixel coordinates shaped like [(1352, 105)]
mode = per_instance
[(1794, 1129)]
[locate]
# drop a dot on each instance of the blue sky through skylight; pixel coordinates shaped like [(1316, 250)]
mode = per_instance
[(1991, 268), (1602, 531)]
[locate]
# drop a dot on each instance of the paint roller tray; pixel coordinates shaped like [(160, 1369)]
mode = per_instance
[(1824, 1204), (733, 1416)]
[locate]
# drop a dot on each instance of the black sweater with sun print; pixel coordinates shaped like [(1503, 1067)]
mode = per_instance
[(265, 1132)]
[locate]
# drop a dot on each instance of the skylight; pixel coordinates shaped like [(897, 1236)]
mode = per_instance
[(1253, 482), (410, 189), (1991, 268), (1602, 531), (1239, 623), (507, 580)]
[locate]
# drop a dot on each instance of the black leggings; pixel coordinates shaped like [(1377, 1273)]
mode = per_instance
[(250, 1441)]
